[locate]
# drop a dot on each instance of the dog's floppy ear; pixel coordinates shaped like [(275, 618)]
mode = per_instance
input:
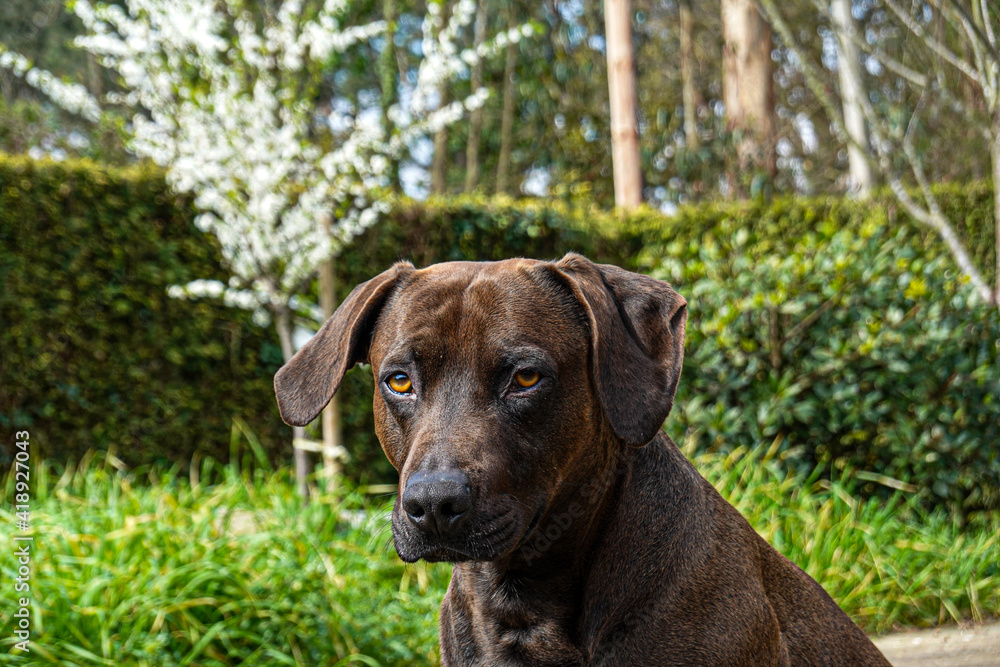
[(637, 338), (309, 380)]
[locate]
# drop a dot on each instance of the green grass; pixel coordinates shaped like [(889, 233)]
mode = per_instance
[(888, 563), (145, 568)]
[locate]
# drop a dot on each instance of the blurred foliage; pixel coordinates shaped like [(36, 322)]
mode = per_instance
[(43, 31), (882, 362), (847, 344), (94, 352), (41, 130)]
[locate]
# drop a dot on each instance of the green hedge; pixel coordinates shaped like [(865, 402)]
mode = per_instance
[(95, 355), (895, 374)]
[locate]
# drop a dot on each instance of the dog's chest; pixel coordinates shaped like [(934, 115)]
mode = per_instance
[(502, 625), (544, 643)]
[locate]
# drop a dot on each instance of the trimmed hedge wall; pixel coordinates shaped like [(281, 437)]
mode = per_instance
[(880, 363), (95, 355)]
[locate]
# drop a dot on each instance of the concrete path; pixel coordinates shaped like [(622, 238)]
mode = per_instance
[(969, 646)]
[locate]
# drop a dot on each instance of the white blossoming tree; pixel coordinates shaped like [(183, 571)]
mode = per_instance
[(224, 94)]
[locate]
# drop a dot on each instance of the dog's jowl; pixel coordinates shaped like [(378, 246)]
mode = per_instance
[(521, 402)]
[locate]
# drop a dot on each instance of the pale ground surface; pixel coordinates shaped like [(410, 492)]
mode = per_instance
[(969, 646), (951, 646)]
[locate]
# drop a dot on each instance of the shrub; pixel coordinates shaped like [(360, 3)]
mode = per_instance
[(848, 347), (95, 355)]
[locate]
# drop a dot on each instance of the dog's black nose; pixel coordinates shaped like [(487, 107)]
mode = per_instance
[(436, 502)]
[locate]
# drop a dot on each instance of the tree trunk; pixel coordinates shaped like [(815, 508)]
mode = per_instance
[(689, 94), (476, 117), (622, 93), (332, 432), (387, 79), (748, 85), (439, 166), (283, 323), (95, 85), (507, 113), (995, 157), (851, 90)]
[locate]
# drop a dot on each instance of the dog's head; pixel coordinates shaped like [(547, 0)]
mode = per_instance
[(493, 381)]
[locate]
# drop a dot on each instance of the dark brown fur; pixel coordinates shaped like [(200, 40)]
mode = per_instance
[(591, 539)]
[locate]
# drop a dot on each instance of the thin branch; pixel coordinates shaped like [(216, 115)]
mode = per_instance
[(914, 77), (934, 44), (912, 124), (975, 34), (890, 63), (814, 79), (990, 35), (916, 165), (933, 217), (941, 225), (995, 158), (981, 49), (809, 320)]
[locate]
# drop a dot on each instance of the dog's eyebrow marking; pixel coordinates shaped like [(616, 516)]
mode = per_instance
[(513, 355), (401, 355)]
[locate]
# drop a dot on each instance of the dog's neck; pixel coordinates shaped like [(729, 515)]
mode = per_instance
[(540, 588)]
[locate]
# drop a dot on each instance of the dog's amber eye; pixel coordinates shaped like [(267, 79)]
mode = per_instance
[(527, 378), (400, 383)]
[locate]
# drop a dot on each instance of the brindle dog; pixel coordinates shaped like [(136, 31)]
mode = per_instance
[(521, 402)]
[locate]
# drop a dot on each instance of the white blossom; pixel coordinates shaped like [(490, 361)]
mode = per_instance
[(215, 99), (70, 96)]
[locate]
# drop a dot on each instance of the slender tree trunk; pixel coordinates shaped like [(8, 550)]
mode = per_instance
[(332, 432), (476, 117), (94, 77), (995, 156), (283, 323), (622, 93), (387, 78), (851, 89), (439, 166), (748, 85), (689, 94), (507, 113)]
